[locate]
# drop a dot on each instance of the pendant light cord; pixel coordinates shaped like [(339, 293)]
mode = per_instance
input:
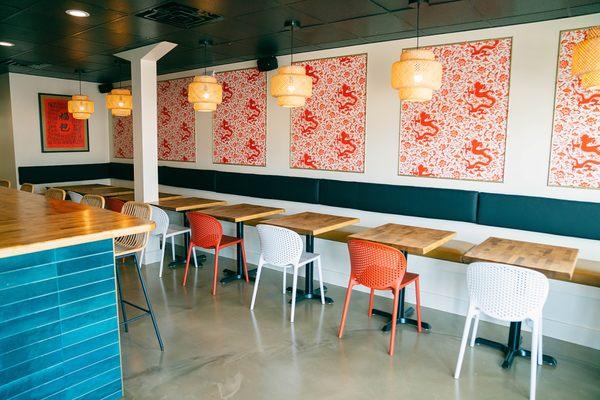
[(80, 82), (205, 49), (292, 46)]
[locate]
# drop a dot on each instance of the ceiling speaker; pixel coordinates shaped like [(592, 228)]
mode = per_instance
[(267, 64), (105, 87)]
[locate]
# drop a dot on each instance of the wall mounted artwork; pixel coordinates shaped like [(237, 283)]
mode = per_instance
[(575, 149), (240, 121), (59, 131), (176, 125), (329, 133), (461, 132)]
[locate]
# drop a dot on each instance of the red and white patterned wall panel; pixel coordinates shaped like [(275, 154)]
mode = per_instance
[(240, 122), (461, 132), (329, 133), (575, 149), (176, 122)]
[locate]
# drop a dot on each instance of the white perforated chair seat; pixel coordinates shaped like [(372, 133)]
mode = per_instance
[(165, 230), (175, 230), (305, 258)]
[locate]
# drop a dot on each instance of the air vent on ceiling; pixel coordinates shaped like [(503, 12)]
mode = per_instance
[(179, 15)]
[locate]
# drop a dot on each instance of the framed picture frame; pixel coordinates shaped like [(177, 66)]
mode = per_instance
[(59, 131)]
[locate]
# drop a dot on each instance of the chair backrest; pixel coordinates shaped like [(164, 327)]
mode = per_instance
[(75, 197), (375, 265), (93, 200), (279, 246), (206, 230), (140, 210), (4, 183), (28, 187), (161, 219), (506, 292), (114, 204), (55, 193)]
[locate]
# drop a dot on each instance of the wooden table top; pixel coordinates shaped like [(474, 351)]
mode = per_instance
[(110, 191), (412, 239), (242, 212), (310, 223), (29, 223), (161, 196), (188, 203), (552, 261), (80, 188)]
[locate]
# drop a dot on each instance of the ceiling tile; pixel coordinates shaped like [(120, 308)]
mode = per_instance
[(230, 8), (51, 55), (137, 26), (442, 14), (322, 34), (80, 44), (507, 8), (273, 19), (337, 10), (129, 6), (228, 30), (374, 25), (12, 33), (522, 19), (106, 36)]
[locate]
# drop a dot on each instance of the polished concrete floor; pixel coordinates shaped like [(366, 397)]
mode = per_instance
[(215, 348)]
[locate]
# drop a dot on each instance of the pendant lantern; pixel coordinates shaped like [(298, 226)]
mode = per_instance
[(291, 86), (204, 91), (418, 74), (586, 60), (80, 106), (119, 101)]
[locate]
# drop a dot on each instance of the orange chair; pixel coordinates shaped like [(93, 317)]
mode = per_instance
[(207, 233), (379, 267), (114, 204)]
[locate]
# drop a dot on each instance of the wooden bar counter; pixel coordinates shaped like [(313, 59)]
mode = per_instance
[(58, 316)]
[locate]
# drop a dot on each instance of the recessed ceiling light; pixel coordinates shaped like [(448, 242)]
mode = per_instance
[(78, 13), (6, 44)]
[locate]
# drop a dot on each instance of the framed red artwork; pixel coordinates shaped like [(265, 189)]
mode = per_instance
[(59, 131)]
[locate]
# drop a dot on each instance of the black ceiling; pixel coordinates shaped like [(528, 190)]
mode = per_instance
[(51, 43)]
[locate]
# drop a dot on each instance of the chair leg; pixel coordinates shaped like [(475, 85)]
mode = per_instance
[(148, 303), (195, 258), (216, 273), (294, 287), (163, 244), (418, 297), (371, 302), (255, 291), (284, 289), (345, 309), (540, 358), (321, 289), (534, 356), (463, 342), (474, 331), (244, 261), (394, 318), (123, 312), (173, 248), (187, 264)]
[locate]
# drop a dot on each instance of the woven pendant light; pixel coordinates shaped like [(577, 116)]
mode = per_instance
[(80, 106), (417, 74), (291, 86), (586, 60), (204, 91), (119, 101)]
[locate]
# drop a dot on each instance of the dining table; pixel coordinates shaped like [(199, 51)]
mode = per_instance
[(161, 196), (238, 214), (409, 240), (311, 224), (97, 189), (552, 261)]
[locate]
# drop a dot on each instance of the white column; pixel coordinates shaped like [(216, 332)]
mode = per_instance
[(145, 126)]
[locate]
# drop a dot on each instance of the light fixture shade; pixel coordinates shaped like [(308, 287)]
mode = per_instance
[(205, 93), (120, 102), (291, 86), (586, 60), (416, 75), (80, 107)]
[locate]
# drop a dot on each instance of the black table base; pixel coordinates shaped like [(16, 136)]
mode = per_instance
[(182, 260), (232, 276), (513, 348)]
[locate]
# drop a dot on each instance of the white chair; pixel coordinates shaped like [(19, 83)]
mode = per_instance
[(283, 248), (75, 197), (164, 230), (506, 293)]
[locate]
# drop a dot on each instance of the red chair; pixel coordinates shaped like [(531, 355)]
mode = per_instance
[(379, 267), (207, 233), (114, 204)]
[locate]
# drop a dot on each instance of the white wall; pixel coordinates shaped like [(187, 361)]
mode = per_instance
[(7, 149), (573, 311)]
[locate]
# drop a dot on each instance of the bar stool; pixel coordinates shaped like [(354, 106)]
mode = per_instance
[(5, 183), (379, 267), (114, 204), (165, 231), (93, 200), (28, 187), (55, 193), (75, 197), (506, 293), (207, 233), (134, 245), (283, 248)]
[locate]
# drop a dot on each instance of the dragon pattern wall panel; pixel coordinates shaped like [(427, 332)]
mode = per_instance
[(329, 133), (240, 122), (461, 132), (176, 132), (575, 149)]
